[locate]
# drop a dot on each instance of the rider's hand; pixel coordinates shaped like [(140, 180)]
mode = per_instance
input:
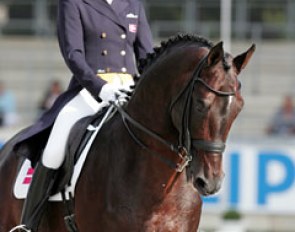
[(116, 91), (109, 92), (126, 90)]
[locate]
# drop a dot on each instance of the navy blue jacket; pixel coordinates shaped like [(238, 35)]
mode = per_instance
[(94, 38)]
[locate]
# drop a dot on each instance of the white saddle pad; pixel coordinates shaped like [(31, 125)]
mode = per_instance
[(25, 175)]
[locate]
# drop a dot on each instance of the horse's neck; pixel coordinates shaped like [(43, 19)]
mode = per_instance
[(136, 170), (150, 107)]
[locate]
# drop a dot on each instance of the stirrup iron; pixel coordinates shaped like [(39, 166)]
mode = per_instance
[(20, 227)]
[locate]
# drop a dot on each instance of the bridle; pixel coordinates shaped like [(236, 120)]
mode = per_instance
[(183, 148)]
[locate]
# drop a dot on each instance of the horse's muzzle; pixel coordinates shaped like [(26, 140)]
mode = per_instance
[(207, 187), (210, 175)]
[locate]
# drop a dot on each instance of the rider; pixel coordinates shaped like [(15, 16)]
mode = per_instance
[(100, 41)]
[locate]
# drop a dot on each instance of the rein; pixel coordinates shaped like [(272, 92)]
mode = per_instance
[(183, 148), (181, 153)]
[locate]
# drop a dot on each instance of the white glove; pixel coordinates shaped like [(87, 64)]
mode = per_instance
[(126, 89), (127, 86), (109, 92), (116, 91)]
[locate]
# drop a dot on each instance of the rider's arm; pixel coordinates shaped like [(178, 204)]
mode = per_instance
[(70, 36)]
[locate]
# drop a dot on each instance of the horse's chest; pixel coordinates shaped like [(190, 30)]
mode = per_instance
[(166, 222), (181, 215)]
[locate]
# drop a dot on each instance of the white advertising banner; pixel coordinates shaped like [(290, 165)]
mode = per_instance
[(259, 176)]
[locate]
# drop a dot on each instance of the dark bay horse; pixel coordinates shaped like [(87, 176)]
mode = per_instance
[(153, 159)]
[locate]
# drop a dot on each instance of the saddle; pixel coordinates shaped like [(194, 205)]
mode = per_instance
[(81, 137), (78, 139)]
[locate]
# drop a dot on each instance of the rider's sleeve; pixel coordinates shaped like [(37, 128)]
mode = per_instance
[(70, 37), (144, 42)]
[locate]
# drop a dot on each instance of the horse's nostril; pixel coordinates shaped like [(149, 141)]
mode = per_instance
[(200, 182)]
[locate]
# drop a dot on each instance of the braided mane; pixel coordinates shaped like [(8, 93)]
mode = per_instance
[(172, 41)]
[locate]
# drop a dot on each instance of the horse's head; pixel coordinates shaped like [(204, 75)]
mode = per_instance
[(193, 96), (204, 112)]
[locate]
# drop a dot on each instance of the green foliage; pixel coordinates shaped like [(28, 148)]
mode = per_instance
[(231, 215)]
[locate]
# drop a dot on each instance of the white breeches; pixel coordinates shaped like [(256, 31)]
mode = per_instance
[(80, 106)]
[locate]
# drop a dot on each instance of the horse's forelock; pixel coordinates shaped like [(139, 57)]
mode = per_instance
[(226, 64)]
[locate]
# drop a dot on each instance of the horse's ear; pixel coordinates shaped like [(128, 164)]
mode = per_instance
[(242, 60), (216, 54)]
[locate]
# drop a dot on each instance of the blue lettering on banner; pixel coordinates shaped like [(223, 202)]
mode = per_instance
[(264, 187), (211, 200), (234, 179)]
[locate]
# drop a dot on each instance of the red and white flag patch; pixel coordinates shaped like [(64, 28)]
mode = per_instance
[(133, 28), (28, 178)]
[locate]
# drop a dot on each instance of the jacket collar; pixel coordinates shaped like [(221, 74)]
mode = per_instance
[(115, 12), (119, 7)]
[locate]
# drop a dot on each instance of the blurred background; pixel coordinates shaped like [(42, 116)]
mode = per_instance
[(259, 188)]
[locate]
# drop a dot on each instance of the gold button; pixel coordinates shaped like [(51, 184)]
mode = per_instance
[(123, 53), (123, 36), (103, 35), (104, 52)]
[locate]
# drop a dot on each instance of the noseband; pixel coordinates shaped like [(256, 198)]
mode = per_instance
[(183, 148)]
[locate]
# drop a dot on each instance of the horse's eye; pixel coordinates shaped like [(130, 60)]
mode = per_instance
[(202, 105)]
